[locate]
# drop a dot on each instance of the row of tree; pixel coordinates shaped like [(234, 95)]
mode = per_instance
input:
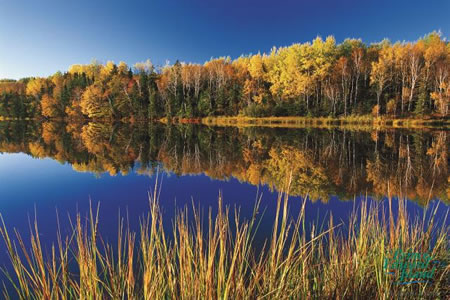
[(321, 78)]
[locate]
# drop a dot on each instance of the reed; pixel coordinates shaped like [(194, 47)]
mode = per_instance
[(298, 260)]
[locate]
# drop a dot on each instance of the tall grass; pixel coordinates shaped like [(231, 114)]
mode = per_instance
[(220, 261)]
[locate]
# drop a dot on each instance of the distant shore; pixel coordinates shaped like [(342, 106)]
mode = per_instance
[(362, 122), (320, 122)]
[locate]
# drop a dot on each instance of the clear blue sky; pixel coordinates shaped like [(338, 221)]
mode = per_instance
[(38, 38)]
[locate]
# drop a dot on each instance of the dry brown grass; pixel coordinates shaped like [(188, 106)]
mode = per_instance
[(219, 262)]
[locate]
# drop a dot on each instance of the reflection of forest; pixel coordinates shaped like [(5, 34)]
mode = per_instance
[(322, 162)]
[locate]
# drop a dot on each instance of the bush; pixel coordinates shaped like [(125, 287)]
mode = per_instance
[(204, 106), (280, 110), (256, 111)]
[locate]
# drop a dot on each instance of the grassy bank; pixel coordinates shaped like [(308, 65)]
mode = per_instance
[(352, 122), (14, 119), (327, 122), (219, 262)]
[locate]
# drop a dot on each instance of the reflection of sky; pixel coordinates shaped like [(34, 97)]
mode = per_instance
[(44, 185)]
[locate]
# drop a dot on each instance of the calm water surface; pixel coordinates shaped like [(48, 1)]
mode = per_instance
[(59, 168)]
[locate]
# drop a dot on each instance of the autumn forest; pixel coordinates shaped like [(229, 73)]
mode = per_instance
[(321, 78)]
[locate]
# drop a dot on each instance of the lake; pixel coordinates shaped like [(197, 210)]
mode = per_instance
[(50, 168), (51, 171)]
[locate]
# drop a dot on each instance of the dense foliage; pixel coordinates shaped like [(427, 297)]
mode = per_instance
[(321, 78)]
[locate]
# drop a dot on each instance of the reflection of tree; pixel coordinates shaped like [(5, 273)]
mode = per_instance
[(377, 172), (110, 146), (307, 176), (253, 155), (439, 152), (420, 170), (344, 163)]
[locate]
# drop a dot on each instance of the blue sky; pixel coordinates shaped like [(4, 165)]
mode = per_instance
[(38, 38)]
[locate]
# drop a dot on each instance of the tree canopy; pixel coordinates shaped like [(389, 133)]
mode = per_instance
[(321, 78)]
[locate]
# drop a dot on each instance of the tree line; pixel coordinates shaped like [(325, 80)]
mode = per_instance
[(318, 78)]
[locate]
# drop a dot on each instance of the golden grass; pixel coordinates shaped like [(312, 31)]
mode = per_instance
[(219, 262), (353, 121)]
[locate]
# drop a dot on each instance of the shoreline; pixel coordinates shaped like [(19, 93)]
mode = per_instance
[(355, 122), (320, 122)]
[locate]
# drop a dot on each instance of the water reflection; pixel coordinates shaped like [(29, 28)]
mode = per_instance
[(322, 162)]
